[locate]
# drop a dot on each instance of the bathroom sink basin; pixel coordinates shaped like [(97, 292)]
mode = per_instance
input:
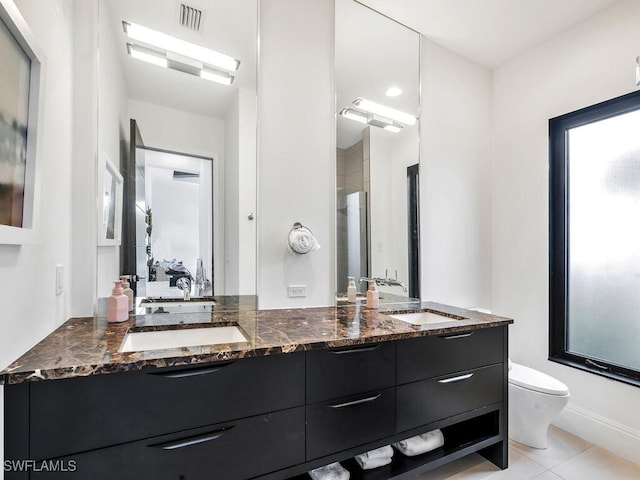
[(189, 337), (424, 318), (177, 302), (176, 305)]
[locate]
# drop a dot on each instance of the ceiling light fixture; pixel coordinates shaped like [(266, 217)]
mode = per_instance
[(353, 115), (393, 92), (167, 42), (218, 77), (147, 55), (370, 119), (392, 113)]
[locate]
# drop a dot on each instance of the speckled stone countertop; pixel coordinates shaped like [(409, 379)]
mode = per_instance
[(89, 346)]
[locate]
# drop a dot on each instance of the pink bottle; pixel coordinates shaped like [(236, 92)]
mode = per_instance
[(373, 298), (126, 290), (117, 304)]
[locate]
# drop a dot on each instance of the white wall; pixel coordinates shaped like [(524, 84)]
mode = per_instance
[(390, 155), (455, 178), (240, 194), (113, 127), (296, 162), (178, 131), (30, 308), (592, 62)]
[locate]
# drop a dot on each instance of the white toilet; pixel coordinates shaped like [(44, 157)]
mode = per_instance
[(535, 398)]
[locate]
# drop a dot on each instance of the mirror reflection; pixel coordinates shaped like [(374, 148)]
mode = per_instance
[(177, 113), (377, 89)]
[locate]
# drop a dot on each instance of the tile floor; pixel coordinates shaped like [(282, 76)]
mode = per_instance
[(567, 458)]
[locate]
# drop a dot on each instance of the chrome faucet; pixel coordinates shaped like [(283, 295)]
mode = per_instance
[(386, 281), (185, 284)]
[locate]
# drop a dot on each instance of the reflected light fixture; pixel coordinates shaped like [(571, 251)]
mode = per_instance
[(393, 92), (171, 52), (370, 119), (149, 56), (392, 113), (353, 115)]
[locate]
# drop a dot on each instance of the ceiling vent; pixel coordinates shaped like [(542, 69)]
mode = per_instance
[(190, 17)]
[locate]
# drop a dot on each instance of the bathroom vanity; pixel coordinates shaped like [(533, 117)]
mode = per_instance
[(307, 388)]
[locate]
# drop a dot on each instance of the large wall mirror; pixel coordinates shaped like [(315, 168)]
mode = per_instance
[(378, 96), (177, 114)]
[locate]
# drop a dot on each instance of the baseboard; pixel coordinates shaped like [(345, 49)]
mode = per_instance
[(604, 432)]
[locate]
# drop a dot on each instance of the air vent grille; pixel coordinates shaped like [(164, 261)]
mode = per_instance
[(190, 17)]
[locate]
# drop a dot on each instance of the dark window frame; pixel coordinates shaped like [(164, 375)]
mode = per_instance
[(559, 235)]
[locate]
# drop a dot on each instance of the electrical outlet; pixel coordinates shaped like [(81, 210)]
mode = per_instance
[(59, 279), (297, 291)]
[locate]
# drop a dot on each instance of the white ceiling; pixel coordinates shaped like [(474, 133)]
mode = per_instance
[(489, 32)]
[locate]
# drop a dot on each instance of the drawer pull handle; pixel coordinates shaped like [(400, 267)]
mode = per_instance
[(357, 349), (453, 337), (456, 379), (195, 372), (356, 402), (190, 441)]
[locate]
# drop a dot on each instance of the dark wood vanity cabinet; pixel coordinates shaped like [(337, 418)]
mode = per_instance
[(271, 417)]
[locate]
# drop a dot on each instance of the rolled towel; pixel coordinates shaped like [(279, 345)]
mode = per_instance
[(382, 452), (333, 471), (420, 443), (369, 463)]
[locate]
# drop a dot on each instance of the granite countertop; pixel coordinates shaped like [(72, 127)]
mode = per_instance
[(89, 346)]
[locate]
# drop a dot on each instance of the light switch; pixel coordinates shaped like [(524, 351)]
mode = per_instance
[(59, 279)]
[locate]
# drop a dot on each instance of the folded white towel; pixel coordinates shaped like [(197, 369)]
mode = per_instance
[(333, 471), (420, 443), (369, 463), (382, 452)]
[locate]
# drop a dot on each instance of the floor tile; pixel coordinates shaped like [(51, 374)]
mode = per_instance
[(477, 468), (548, 475), (597, 464), (561, 447)]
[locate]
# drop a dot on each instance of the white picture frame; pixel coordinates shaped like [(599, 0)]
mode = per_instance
[(15, 30), (110, 213)]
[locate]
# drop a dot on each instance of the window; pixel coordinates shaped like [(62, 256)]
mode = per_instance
[(594, 239)]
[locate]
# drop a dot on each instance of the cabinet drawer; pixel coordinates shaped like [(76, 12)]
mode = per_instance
[(427, 357), (437, 398), (350, 421), (234, 450), (80, 414), (339, 372)]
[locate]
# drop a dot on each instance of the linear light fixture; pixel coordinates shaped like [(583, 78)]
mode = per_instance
[(147, 55), (218, 77), (370, 119), (172, 44), (392, 113), (353, 115)]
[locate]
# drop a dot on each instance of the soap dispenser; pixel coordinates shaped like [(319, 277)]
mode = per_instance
[(117, 304), (351, 290), (373, 300), (127, 290)]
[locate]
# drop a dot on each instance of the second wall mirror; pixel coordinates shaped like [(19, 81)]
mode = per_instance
[(180, 121), (378, 97)]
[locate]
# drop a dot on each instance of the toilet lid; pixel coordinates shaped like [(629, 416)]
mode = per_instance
[(531, 379)]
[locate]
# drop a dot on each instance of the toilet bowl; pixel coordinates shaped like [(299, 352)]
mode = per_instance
[(535, 398)]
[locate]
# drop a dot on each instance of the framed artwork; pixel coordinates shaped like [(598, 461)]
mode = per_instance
[(110, 215), (20, 102)]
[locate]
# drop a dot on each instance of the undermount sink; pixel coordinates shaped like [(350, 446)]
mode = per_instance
[(176, 305), (178, 338), (424, 318)]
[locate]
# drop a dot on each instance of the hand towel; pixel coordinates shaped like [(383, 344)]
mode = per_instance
[(369, 463), (420, 444), (382, 452), (333, 471)]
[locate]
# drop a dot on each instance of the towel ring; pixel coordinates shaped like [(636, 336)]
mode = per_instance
[(301, 239)]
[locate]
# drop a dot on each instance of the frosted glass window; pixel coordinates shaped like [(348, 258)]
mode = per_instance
[(594, 239), (604, 240)]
